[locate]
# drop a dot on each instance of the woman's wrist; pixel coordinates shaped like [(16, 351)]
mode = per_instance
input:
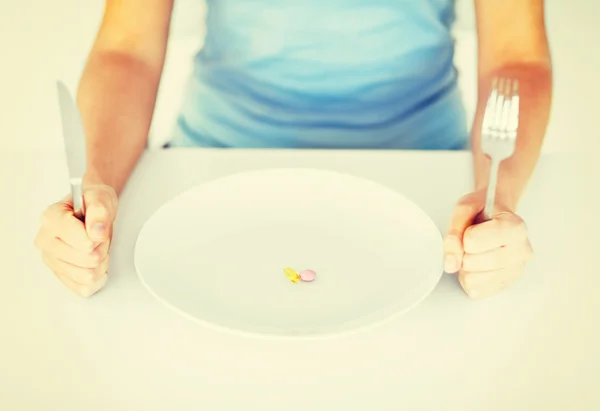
[(94, 178), (506, 195)]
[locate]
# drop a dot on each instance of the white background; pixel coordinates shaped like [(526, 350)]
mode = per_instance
[(44, 40), (119, 348)]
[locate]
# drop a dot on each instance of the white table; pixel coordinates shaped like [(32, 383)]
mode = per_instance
[(534, 347)]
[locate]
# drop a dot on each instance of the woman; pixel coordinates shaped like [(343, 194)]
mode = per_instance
[(318, 74)]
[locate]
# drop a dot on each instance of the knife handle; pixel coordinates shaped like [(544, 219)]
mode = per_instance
[(78, 203)]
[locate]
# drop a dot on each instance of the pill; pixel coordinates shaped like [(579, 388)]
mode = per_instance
[(308, 275), (292, 275)]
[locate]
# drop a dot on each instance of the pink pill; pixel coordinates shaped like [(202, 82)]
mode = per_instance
[(308, 275)]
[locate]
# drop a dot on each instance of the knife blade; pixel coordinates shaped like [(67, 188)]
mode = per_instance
[(74, 137)]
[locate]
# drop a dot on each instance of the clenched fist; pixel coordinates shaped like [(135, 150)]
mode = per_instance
[(487, 256), (77, 252)]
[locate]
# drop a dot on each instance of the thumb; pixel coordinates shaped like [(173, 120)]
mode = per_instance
[(464, 214), (101, 210)]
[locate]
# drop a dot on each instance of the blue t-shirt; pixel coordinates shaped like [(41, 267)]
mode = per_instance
[(325, 74)]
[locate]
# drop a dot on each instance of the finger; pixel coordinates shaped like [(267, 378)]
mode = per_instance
[(72, 285), (60, 250), (503, 257), (102, 249), (486, 284), (464, 213), (58, 221), (504, 229), (83, 290), (101, 208), (78, 275), (453, 253)]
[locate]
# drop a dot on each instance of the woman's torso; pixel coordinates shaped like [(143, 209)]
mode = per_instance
[(325, 73)]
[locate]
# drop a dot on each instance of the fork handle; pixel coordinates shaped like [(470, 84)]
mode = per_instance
[(490, 197)]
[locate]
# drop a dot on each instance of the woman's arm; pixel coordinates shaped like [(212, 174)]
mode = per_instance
[(512, 42), (490, 255), (118, 88)]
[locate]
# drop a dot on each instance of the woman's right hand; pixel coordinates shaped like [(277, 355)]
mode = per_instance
[(76, 252)]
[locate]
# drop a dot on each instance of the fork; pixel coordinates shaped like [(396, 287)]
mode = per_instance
[(499, 132)]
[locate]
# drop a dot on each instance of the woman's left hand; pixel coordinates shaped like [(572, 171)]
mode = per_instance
[(488, 256)]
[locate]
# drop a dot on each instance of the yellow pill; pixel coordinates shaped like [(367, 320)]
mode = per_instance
[(292, 275)]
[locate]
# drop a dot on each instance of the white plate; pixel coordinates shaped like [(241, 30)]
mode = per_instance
[(216, 253)]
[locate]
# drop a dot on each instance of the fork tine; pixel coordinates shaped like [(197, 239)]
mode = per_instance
[(513, 121), (499, 106), (490, 108), (504, 118)]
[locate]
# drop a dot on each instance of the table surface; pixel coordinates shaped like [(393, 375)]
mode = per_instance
[(533, 347)]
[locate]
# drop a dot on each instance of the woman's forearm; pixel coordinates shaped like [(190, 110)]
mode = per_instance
[(116, 96), (535, 92)]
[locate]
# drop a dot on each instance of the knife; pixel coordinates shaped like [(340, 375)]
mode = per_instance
[(74, 136)]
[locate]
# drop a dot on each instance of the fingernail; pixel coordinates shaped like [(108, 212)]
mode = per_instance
[(99, 230), (450, 264)]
